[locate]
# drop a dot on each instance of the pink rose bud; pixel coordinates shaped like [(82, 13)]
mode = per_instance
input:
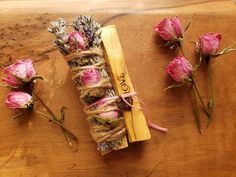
[(19, 100), (90, 77), (210, 43), (76, 40), (179, 69), (109, 114), (168, 29), (19, 73)]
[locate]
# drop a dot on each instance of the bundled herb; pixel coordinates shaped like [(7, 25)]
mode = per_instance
[(83, 53)]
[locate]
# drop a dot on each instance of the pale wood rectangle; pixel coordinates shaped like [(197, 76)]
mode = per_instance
[(135, 119)]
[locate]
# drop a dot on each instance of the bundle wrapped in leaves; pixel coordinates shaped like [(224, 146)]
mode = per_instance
[(83, 53)]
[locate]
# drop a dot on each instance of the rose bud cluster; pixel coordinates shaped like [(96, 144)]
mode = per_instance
[(20, 76)]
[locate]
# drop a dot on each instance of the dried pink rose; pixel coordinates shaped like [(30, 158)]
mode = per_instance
[(19, 73), (19, 100), (76, 40), (210, 43), (179, 69), (168, 29), (108, 114), (90, 77)]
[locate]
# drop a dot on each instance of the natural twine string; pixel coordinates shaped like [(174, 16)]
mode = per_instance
[(100, 132)]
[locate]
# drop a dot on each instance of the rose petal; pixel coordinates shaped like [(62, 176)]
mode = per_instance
[(177, 26)]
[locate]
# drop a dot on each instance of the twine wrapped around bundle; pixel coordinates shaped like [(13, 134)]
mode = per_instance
[(107, 132)]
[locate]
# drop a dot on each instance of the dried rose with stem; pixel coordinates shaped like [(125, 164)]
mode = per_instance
[(181, 71), (21, 76), (208, 49), (24, 102)]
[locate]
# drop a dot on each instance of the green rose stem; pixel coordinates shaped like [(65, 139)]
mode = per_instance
[(200, 98), (196, 111), (180, 47), (19, 114), (211, 100), (197, 95), (57, 122), (209, 75), (68, 135)]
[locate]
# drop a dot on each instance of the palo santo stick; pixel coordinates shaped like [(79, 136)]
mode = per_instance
[(135, 120)]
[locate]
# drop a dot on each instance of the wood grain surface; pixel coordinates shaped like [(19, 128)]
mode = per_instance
[(31, 147)]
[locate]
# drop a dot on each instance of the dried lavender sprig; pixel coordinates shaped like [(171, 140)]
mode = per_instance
[(58, 29), (90, 28)]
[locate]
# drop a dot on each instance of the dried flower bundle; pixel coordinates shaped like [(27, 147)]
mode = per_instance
[(171, 31), (21, 77), (83, 53)]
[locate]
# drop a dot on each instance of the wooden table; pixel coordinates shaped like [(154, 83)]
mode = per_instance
[(31, 147)]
